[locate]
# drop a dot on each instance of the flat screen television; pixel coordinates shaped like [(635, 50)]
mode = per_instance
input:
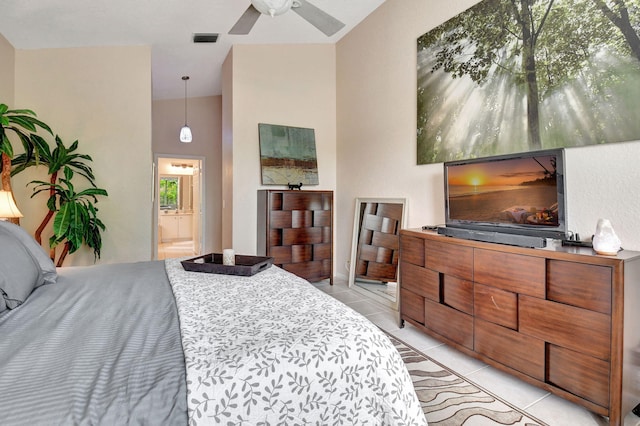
[(519, 194)]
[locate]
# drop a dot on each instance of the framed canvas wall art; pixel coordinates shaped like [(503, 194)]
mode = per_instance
[(513, 76), (287, 155)]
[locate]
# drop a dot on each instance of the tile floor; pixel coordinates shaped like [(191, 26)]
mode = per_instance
[(549, 408), (175, 249)]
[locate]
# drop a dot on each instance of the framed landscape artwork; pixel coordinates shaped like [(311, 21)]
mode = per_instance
[(287, 155), (507, 76)]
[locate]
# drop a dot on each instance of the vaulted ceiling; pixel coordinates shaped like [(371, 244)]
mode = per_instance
[(168, 26)]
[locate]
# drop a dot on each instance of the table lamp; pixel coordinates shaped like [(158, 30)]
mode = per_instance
[(8, 208)]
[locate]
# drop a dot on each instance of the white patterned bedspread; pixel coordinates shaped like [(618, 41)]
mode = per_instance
[(272, 349)]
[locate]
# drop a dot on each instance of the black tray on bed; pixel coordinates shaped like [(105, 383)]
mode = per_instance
[(212, 264)]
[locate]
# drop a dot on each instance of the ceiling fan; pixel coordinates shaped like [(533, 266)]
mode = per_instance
[(315, 16)]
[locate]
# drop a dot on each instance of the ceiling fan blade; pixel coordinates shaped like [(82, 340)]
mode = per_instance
[(246, 21), (318, 18)]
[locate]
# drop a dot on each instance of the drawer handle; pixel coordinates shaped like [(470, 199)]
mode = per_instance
[(494, 303)]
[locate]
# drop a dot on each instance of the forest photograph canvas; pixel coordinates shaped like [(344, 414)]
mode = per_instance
[(522, 75)]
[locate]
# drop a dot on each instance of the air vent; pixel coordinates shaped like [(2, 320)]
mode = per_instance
[(205, 37)]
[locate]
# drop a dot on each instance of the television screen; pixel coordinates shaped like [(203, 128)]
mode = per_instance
[(518, 193)]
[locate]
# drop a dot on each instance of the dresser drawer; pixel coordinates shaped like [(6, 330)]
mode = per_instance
[(301, 253), (280, 254), (280, 219), (412, 250), (439, 256), (313, 271), (577, 284), (512, 272), (508, 347), (305, 201), (291, 236), (274, 237), (450, 323), (301, 219), (419, 280), (322, 251), (495, 305), (412, 305), (579, 374), (574, 328), (458, 294), (322, 218), (275, 199)]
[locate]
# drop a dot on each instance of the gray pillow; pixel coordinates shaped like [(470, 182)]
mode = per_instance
[(24, 266), (49, 274)]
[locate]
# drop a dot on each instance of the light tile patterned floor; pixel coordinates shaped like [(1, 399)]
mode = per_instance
[(175, 249), (541, 404)]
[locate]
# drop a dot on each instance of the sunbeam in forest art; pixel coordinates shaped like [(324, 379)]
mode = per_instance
[(511, 76)]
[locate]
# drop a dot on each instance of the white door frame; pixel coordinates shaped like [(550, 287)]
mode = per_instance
[(156, 206)]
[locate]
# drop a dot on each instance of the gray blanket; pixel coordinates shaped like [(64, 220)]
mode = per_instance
[(99, 347)]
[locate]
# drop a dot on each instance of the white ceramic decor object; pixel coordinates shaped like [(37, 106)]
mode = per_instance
[(605, 240), (228, 257)]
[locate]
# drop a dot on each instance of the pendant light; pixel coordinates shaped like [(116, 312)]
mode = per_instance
[(185, 132)]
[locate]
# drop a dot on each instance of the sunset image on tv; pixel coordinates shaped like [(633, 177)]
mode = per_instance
[(521, 190)]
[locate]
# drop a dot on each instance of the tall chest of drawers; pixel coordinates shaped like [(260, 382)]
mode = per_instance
[(296, 229), (561, 318)]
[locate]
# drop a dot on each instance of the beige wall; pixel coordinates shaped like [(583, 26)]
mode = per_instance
[(7, 72), (227, 151), (101, 97), (292, 85), (204, 115), (376, 132)]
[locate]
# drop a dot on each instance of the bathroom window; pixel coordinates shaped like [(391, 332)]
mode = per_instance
[(169, 193)]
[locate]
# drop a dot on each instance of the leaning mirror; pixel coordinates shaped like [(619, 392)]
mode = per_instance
[(373, 269)]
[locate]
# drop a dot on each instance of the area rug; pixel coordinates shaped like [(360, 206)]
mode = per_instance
[(447, 399)]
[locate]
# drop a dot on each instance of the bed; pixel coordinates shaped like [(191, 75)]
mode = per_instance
[(150, 343)]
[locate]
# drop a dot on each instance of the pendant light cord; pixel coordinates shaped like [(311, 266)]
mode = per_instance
[(185, 78)]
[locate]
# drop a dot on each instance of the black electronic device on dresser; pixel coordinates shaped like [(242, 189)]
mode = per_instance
[(516, 199)]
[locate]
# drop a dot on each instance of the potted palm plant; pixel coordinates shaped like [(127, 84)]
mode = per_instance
[(76, 219), (54, 160), (23, 123), (75, 216)]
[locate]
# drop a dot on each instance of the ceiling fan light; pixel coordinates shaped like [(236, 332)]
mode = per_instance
[(185, 134), (272, 7)]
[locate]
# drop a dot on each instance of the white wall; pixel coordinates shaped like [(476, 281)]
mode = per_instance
[(102, 98), (204, 115), (7, 72), (292, 85), (376, 133), (602, 182)]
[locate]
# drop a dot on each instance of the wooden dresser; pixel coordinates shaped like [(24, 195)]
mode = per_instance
[(296, 229), (561, 318)]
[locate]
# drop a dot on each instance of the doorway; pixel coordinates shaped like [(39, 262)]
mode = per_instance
[(178, 206)]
